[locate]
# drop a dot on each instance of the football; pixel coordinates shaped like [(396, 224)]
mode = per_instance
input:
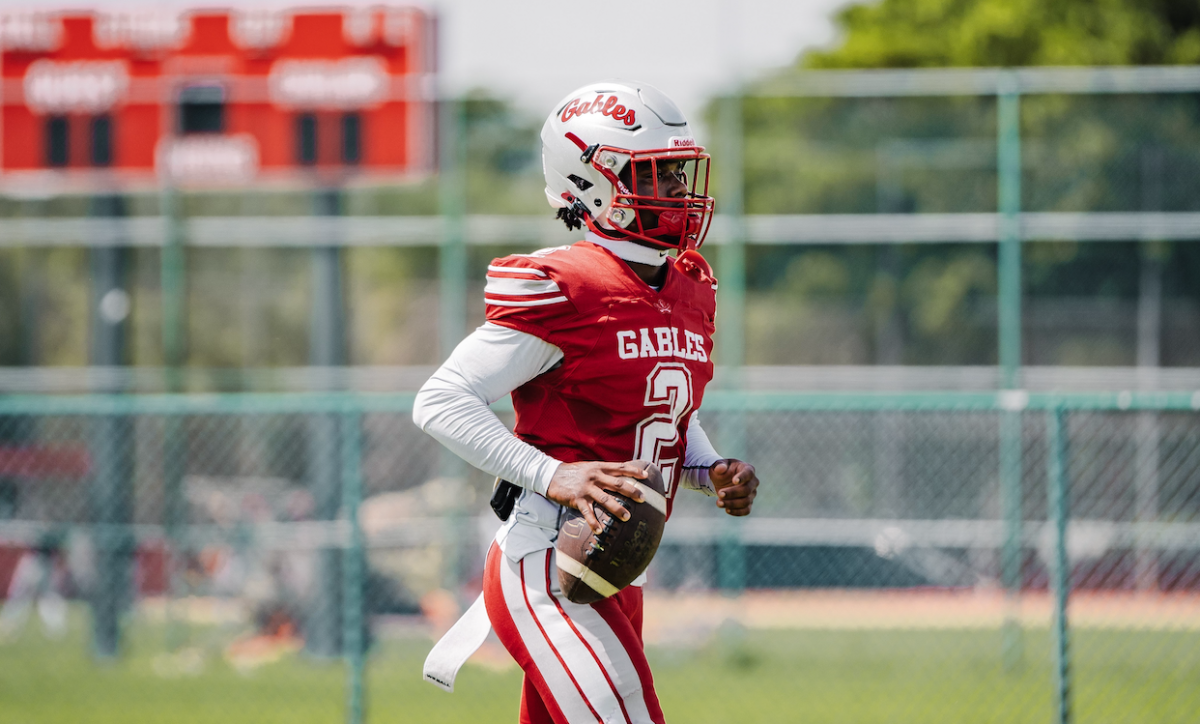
[(592, 567)]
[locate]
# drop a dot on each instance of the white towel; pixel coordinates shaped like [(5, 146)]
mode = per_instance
[(456, 646)]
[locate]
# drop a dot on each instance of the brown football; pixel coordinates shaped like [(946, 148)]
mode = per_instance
[(592, 567)]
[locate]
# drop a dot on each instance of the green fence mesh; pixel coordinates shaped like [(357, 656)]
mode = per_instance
[(962, 557), (209, 547)]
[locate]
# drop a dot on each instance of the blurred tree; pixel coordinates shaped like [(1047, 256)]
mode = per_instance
[(933, 304), (937, 33), (248, 308), (10, 307), (503, 158)]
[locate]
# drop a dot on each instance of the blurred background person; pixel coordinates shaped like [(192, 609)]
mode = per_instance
[(40, 581)]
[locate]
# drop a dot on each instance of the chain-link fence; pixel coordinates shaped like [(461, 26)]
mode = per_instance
[(911, 557), (880, 209), (920, 557)]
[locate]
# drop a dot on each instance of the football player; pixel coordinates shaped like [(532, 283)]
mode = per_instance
[(606, 349)]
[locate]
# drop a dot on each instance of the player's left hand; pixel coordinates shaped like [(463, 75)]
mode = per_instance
[(736, 484)]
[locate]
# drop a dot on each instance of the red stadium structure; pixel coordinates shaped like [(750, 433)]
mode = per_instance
[(215, 96), (110, 102)]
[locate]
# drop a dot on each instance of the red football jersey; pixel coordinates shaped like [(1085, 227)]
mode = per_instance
[(635, 360)]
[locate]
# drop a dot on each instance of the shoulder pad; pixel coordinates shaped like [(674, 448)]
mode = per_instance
[(519, 281), (696, 267)]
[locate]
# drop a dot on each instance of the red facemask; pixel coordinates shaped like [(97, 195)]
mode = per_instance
[(667, 222)]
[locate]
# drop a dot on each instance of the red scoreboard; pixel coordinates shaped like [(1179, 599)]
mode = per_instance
[(218, 97)]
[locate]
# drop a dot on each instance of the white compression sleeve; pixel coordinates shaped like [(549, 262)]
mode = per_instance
[(699, 458), (452, 405)]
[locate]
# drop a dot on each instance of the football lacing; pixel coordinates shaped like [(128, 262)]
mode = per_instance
[(603, 536)]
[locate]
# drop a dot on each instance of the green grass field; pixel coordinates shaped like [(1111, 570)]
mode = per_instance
[(923, 677)]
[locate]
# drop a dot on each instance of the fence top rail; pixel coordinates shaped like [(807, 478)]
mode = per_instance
[(715, 401), (207, 404), (489, 230), (368, 379), (950, 401), (981, 81)]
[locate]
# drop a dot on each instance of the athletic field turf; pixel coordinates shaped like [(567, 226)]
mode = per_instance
[(730, 675)]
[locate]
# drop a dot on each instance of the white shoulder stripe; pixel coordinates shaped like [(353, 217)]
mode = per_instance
[(524, 302), (516, 270), (519, 287)]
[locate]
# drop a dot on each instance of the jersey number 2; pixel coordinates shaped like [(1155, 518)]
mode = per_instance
[(669, 383)]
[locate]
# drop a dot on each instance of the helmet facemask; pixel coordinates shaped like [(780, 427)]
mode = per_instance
[(641, 206), (644, 207)]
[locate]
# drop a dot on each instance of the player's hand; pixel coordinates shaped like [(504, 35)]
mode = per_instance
[(736, 484), (580, 485)]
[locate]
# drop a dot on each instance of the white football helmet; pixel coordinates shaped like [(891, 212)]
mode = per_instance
[(592, 145)]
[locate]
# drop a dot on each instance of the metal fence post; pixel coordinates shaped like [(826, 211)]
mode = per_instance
[(327, 348), (1147, 431), (1008, 111), (1147, 475), (111, 444), (452, 254), (731, 262), (452, 300), (1008, 182), (730, 343), (1012, 555), (1056, 458), (353, 566), (172, 280)]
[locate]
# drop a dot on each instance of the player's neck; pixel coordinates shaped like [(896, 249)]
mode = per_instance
[(648, 263), (655, 276)]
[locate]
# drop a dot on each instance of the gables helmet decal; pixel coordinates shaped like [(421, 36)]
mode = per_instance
[(610, 106), (620, 157)]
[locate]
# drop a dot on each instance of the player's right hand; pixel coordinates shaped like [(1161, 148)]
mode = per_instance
[(580, 485)]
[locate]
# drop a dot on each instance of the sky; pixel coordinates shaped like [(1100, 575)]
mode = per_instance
[(538, 51), (535, 52)]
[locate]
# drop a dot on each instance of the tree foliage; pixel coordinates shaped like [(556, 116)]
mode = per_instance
[(922, 155), (941, 33)]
